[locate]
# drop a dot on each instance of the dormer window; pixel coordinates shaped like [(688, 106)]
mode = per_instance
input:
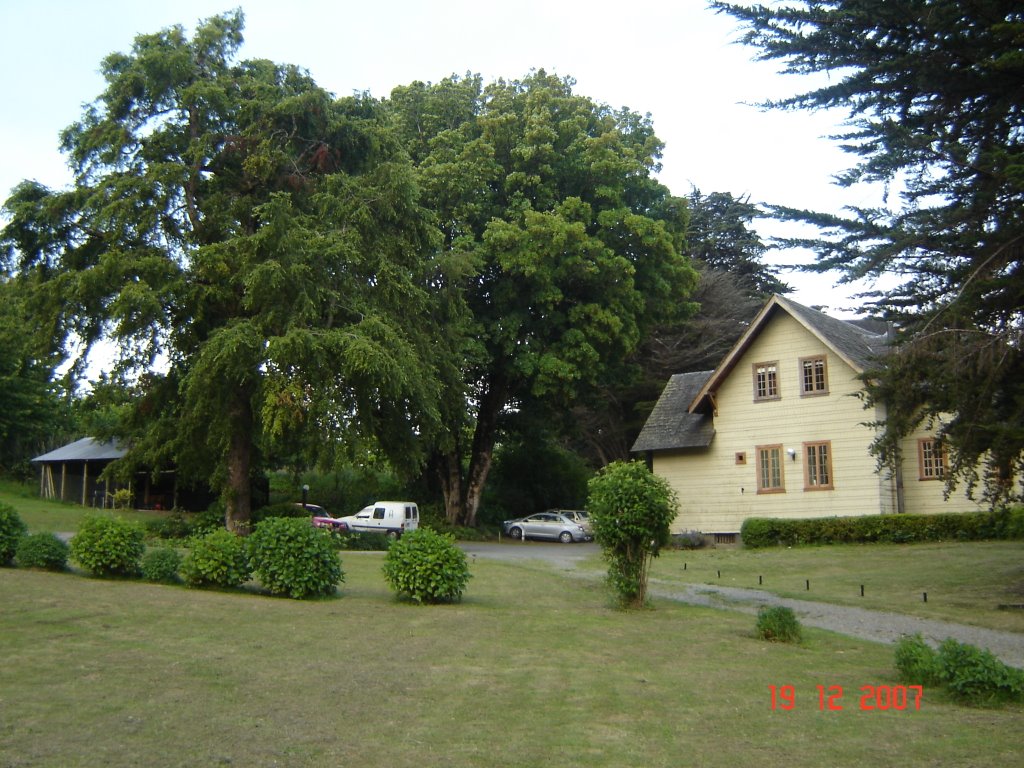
[(814, 375), (766, 381)]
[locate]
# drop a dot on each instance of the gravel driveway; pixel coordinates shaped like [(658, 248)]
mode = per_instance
[(876, 626)]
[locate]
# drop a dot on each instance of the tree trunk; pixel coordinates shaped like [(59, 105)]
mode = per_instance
[(239, 491), (463, 488)]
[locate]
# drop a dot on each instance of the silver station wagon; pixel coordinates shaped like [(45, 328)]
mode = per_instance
[(547, 525)]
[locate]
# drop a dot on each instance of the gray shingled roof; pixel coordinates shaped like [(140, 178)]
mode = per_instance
[(860, 346), (86, 449), (671, 425)]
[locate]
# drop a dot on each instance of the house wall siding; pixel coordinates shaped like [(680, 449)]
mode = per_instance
[(717, 494)]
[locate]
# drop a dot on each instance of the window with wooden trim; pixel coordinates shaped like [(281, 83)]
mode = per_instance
[(818, 466), (931, 459), (770, 477), (814, 375), (766, 381)]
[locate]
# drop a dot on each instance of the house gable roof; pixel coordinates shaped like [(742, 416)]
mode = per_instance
[(853, 344), (671, 424), (86, 449)]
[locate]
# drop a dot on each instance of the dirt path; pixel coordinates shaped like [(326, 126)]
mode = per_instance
[(876, 626)]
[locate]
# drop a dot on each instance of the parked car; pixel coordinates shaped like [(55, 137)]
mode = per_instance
[(390, 517), (576, 515), (547, 525), (321, 519)]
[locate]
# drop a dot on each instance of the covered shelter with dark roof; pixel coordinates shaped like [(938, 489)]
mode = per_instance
[(72, 472)]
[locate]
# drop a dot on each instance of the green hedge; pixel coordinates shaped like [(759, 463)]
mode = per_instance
[(894, 529)]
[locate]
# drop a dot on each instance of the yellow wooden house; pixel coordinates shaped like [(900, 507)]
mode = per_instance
[(778, 429)]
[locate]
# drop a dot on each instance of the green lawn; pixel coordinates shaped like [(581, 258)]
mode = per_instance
[(54, 516), (532, 669), (965, 582)]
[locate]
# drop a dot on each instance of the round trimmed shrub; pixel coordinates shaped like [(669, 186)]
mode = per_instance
[(109, 546), (426, 567), (161, 565), (12, 530), (217, 559), (42, 550), (778, 624), (291, 557)]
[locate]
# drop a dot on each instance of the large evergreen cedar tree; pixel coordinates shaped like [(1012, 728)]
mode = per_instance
[(569, 251), (935, 95), (259, 235)]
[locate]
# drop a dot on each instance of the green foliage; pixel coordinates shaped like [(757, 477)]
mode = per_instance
[(895, 529), (361, 542), (630, 511), (121, 498), (42, 550), (108, 546), (917, 662), (216, 559), (263, 236), (532, 475), (291, 557), (974, 676), (426, 567), (971, 676), (286, 509), (161, 565), (566, 248), (12, 529), (935, 112), (173, 526), (778, 624)]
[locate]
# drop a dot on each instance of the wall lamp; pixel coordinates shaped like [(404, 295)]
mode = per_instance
[(792, 454)]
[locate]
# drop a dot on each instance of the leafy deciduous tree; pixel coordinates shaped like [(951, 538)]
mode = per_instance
[(569, 250)]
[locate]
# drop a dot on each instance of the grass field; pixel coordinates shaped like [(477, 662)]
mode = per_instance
[(965, 582), (532, 669)]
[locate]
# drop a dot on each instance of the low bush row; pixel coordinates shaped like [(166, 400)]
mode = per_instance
[(893, 529), (970, 675), (286, 554)]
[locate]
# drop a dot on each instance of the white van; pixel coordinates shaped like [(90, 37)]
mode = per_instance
[(391, 517)]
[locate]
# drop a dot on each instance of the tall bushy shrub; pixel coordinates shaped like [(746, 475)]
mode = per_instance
[(108, 546), (291, 557), (12, 529), (42, 550), (631, 511), (217, 559), (427, 567)]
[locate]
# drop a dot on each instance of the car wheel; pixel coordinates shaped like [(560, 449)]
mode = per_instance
[(565, 537), (392, 535), (515, 533)]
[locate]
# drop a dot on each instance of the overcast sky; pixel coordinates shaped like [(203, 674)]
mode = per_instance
[(673, 59)]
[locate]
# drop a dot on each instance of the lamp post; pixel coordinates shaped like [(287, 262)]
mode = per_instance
[(305, 491)]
